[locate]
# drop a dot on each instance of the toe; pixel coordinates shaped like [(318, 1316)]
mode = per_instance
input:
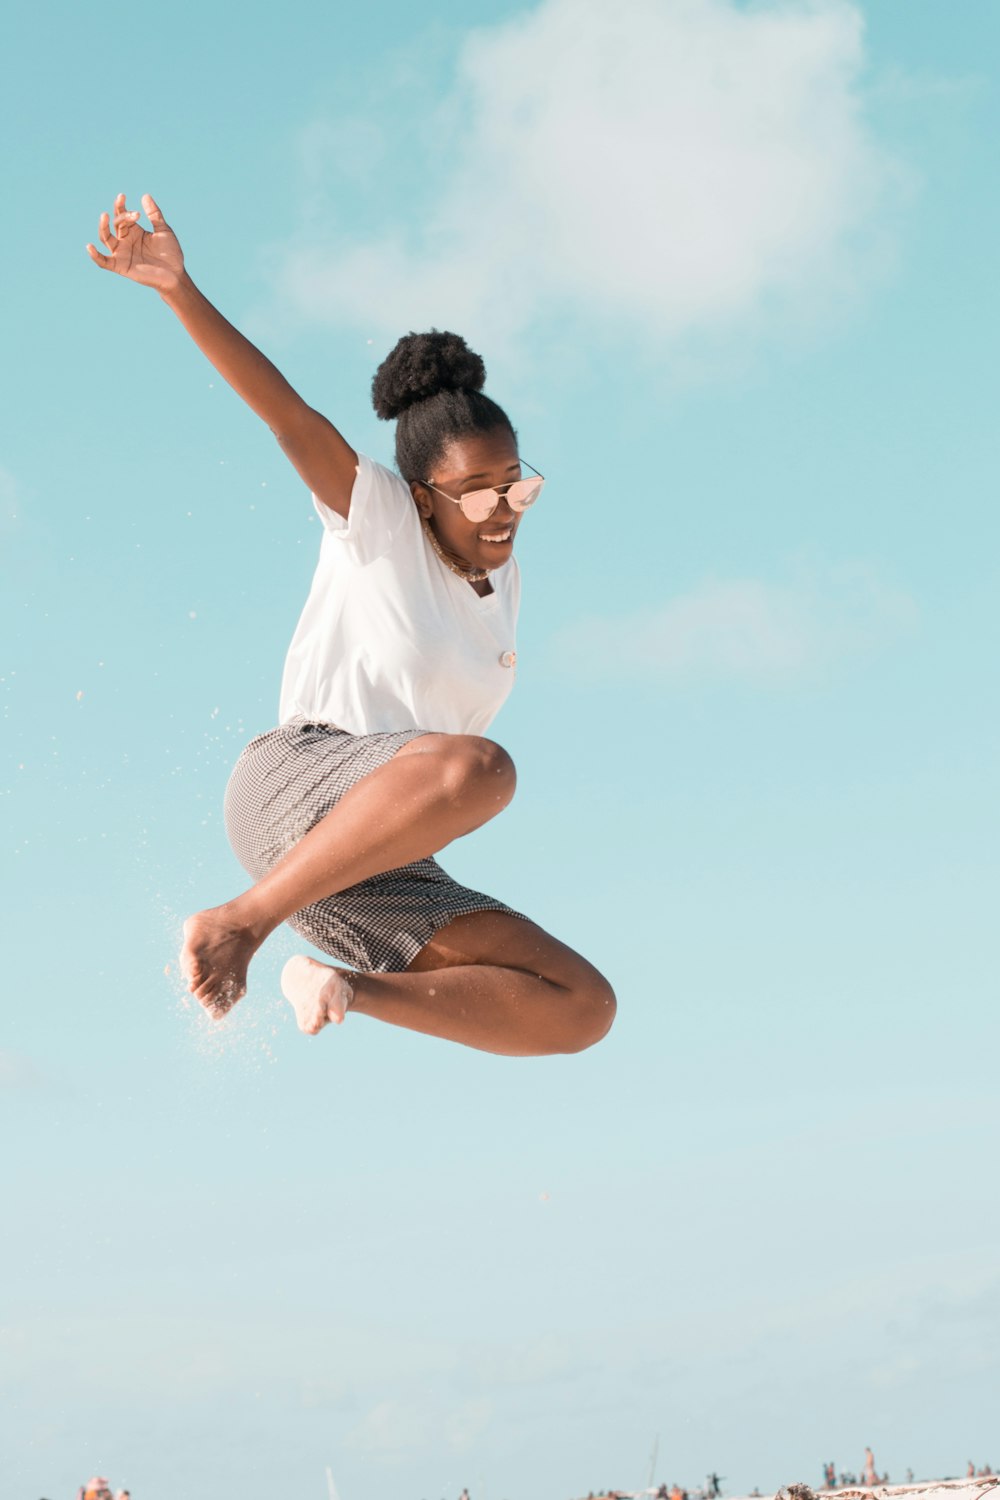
[(190, 966), (216, 1004)]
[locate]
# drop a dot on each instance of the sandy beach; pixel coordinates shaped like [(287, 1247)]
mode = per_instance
[(927, 1489), (966, 1488)]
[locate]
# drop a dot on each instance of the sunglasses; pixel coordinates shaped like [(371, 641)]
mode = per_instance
[(479, 505)]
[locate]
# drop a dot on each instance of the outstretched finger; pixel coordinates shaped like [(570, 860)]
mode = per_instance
[(153, 212), (102, 260), (104, 231)]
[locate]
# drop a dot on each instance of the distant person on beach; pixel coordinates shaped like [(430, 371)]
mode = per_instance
[(404, 653), (871, 1477)]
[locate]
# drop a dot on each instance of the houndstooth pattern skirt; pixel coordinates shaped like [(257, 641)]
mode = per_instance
[(283, 783)]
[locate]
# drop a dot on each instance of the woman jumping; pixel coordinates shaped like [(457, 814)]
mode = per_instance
[(402, 657)]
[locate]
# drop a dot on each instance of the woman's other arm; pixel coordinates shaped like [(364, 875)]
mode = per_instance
[(324, 459)]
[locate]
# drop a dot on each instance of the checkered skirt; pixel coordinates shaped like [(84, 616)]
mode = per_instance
[(283, 783)]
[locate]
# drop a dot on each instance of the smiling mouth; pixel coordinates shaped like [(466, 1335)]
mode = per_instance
[(497, 536)]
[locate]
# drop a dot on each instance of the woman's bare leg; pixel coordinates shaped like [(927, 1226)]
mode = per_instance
[(487, 980), (436, 788)]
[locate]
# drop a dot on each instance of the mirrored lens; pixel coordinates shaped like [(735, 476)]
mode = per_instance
[(524, 492), (479, 505)]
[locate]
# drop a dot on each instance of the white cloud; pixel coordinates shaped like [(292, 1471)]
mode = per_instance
[(403, 1428), (535, 1361), (390, 1428), (18, 1072), (745, 629), (673, 165)]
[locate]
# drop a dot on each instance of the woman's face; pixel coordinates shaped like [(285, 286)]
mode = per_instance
[(484, 461)]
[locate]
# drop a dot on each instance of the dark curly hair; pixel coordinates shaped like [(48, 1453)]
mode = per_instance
[(433, 384)]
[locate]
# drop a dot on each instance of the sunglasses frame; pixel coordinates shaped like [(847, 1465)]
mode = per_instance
[(493, 490)]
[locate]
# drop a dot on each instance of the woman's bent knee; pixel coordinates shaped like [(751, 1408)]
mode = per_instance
[(594, 1012), (473, 766)]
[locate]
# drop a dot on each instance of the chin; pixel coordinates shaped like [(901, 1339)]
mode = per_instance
[(491, 554), (495, 557)]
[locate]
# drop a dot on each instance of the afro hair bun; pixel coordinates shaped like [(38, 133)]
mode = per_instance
[(422, 365)]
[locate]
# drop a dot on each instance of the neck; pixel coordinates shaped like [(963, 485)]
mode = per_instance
[(469, 571)]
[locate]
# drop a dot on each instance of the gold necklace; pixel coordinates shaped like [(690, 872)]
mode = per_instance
[(470, 573)]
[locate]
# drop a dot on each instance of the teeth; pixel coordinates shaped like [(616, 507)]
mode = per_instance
[(504, 536)]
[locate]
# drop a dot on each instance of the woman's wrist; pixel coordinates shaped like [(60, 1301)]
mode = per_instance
[(181, 291)]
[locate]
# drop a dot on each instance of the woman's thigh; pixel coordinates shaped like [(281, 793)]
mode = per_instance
[(462, 763), (507, 942)]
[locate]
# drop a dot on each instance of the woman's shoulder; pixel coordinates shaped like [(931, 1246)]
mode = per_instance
[(380, 515), (372, 473)]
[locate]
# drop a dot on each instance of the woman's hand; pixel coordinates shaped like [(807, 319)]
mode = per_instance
[(153, 259), (327, 463)]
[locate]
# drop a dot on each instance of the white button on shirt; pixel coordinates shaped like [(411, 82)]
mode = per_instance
[(390, 638)]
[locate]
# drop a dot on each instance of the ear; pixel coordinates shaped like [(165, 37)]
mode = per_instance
[(422, 499)]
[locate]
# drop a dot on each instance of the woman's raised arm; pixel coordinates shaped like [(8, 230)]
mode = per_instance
[(324, 459)]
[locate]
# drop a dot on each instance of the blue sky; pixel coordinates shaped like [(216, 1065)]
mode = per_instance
[(733, 270)]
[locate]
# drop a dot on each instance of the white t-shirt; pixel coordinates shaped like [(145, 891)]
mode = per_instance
[(390, 638)]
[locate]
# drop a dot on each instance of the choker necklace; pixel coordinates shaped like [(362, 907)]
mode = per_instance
[(468, 571)]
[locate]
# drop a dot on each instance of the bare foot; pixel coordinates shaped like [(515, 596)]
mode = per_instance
[(215, 957), (317, 993)]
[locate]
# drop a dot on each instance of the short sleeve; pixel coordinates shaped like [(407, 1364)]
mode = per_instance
[(381, 508)]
